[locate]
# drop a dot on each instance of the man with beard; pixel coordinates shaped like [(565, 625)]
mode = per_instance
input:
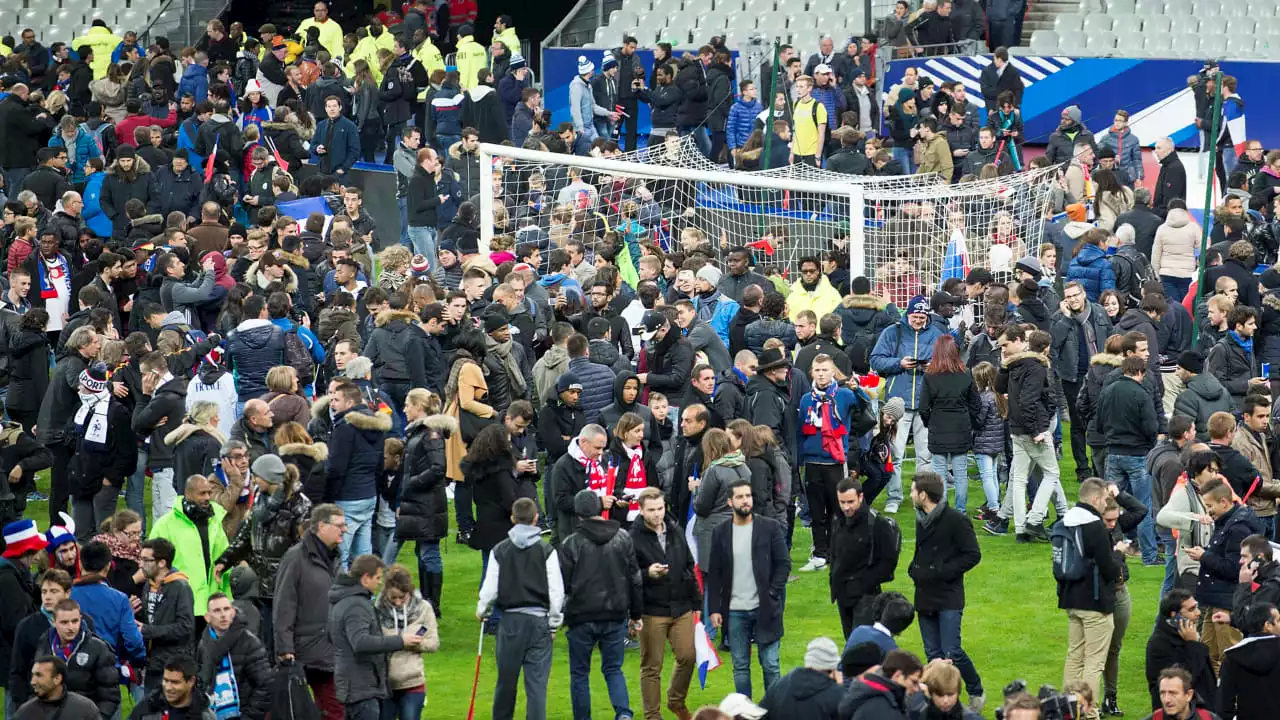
[(167, 619), (746, 580), (127, 178), (600, 294), (52, 697), (669, 355), (194, 526), (863, 554)]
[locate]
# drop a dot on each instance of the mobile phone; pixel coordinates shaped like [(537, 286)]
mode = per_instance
[(1266, 370), (422, 631)]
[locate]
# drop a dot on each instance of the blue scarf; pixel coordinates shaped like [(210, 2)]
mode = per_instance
[(1247, 345), (46, 286), (224, 696)]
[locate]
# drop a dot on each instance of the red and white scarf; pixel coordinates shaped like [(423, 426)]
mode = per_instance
[(636, 480)]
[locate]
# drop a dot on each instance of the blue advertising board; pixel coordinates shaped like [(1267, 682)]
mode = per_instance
[(1154, 92)]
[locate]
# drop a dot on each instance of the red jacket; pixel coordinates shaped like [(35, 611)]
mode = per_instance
[(125, 128)]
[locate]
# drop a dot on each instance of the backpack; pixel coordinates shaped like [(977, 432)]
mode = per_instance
[(1139, 272), (298, 356), (97, 136), (876, 519), (864, 341), (1069, 562)]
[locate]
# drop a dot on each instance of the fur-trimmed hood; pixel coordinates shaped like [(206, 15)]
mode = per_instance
[(387, 316), (446, 424), (294, 259), (1271, 300), (140, 168), (363, 419), (864, 302), (1028, 355), (262, 282), (320, 408), (155, 219), (186, 430), (317, 451), (1103, 358)]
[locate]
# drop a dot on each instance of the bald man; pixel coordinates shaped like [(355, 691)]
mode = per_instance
[(254, 429)]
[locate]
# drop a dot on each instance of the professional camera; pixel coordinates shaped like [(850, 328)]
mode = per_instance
[(1053, 704)]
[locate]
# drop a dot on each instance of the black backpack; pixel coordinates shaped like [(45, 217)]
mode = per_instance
[(876, 520), (1138, 272), (1069, 562), (298, 356)]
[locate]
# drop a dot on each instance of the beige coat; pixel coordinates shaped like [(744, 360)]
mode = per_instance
[(937, 157), (472, 390), (1263, 499), (1112, 205), (404, 667), (1174, 251)]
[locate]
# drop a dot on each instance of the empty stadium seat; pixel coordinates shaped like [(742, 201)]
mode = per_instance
[(1241, 46), (740, 21), (804, 22), (1236, 10), (1071, 42), (1207, 9), (622, 19), (1149, 7), (1262, 9), (1240, 26), (729, 6), (602, 35), (1115, 7), (1120, 22), (713, 22), (1067, 22), (33, 18), (1128, 41), (1155, 24), (1179, 7), (1215, 25), (1213, 45), (1183, 24), (1044, 42), (132, 18), (1185, 44), (1097, 22), (756, 7), (1101, 42), (774, 21), (1158, 43)]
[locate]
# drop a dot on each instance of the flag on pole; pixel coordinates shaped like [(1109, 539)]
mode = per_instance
[(1233, 122), (706, 656), (275, 152), (208, 166), (689, 538), (955, 263)]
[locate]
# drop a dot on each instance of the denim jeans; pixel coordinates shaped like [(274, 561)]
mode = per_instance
[(463, 513), (700, 137), (402, 204), (990, 484), (911, 425), (363, 710), (742, 632), (358, 538), (1170, 561), (385, 544), (586, 136), (604, 128), (940, 632), (403, 705), (904, 156), (423, 240), (162, 493), (1129, 472), (1175, 288), (954, 469), (429, 557), (612, 638)]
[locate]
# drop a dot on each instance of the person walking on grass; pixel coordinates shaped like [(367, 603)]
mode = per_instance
[(949, 405), (946, 549), (825, 414), (864, 553), (524, 581)]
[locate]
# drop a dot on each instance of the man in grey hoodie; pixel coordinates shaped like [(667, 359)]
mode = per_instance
[(405, 162), (530, 597)]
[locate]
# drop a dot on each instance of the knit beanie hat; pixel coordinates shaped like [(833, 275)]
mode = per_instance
[(586, 504), (822, 654), (894, 408), (608, 61), (584, 65), (517, 62)]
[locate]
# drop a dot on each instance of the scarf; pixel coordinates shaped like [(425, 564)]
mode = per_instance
[(391, 280), (733, 459), (635, 481), (124, 549), (597, 481), (47, 289), (1246, 345), (224, 696), (824, 419), (94, 427), (509, 365)]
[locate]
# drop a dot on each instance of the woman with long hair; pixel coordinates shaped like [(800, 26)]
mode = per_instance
[(1113, 199), (365, 107), (111, 93), (490, 470), (295, 447), (465, 395), (400, 609), (723, 465), (633, 467), (770, 471), (275, 524), (284, 396), (948, 406), (424, 504), (122, 533), (1111, 304)]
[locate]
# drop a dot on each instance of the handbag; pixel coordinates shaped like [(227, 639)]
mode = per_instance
[(290, 695), (470, 424)]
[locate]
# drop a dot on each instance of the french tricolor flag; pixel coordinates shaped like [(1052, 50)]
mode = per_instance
[(1233, 117), (705, 652), (955, 264)]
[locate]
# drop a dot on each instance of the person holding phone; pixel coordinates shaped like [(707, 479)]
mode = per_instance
[(1121, 514), (1175, 641), (670, 596)]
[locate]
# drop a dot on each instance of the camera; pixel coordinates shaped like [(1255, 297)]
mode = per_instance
[(1053, 704)]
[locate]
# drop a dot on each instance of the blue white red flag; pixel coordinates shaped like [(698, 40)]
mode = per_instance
[(706, 656), (955, 264)]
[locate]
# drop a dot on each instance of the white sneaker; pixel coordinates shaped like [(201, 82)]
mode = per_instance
[(891, 508), (814, 564)]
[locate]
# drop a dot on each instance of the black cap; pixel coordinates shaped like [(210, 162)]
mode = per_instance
[(1191, 361), (495, 320)]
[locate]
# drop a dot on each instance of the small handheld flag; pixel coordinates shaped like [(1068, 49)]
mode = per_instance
[(208, 166), (706, 656)]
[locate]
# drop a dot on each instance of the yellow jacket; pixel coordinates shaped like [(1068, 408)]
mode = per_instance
[(104, 42), (385, 41), (508, 38), (470, 58), (824, 299), (367, 50), (429, 55), (330, 35)]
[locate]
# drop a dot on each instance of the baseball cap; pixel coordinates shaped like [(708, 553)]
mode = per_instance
[(653, 322)]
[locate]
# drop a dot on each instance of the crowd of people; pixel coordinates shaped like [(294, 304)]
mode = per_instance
[(305, 396)]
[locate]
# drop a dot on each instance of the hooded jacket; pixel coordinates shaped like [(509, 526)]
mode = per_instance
[(862, 319), (711, 501), (424, 507), (1176, 243), (306, 573), (1127, 418), (120, 187), (1233, 365), (1202, 397), (249, 663), (803, 694), (1096, 592), (395, 348), (196, 451), (405, 667), (670, 362), (896, 342), (758, 332), (1166, 648), (263, 539), (601, 575), (482, 110), (179, 529), (168, 624), (1249, 684), (356, 458), (253, 348), (1091, 268), (168, 404), (1220, 564), (360, 650), (874, 697), (1031, 403)]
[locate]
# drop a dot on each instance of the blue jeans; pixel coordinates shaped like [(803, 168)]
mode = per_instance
[(742, 631), (954, 469), (990, 484), (582, 144), (604, 128), (402, 204), (940, 632), (429, 557), (446, 141), (363, 710), (1175, 288), (358, 538), (403, 705), (904, 157), (423, 240), (1129, 472), (1170, 561), (612, 638)]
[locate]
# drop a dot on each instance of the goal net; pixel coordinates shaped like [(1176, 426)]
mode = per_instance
[(906, 233)]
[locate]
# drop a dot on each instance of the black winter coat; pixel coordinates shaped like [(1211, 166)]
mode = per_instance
[(670, 361), (20, 597), (676, 592), (309, 459), (1249, 687), (28, 370), (874, 697), (946, 549), (770, 483), (493, 483), (1126, 418), (772, 405), (1233, 366), (770, 564), (424, 506), (601, 575), (22, 133), (1165, 648), (1066, 341), (169, 629), (195, 452), (1097, 592), (356, 460), (301, 610), (687, 459), (949, 406), (62, 400), (48, 184), (1220, 564), (172, 191), (167, 403), (120, 187), (804, 694), (864, 555), (263, 541), (1031, 403), (91, 670), (395, 349), (691, 78), (253, 671)]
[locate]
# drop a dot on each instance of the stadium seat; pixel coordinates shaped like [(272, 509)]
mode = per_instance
[(33, 18), (1184, 24), (1101, 42), (673, 36), (1240, 26), (1179, 7), (1158, 44), (711, 22), (1116, 7), (774, 21), (635, 6), (1237, 10), (1207, 9), (1096, 22), (755, 7), (132, 18), (665, 7), (603, 34), (1239, 46), (1067, 22), (66, 16), (1044, 42), (740, 21), (804, 22), (1259, 9), (1273, 50), (107, 15), (1155, 24), (728, 6), (622, 19), (1213, 45), (1215, 25), (51, 33), (1071, 42), (1149, 7), (1185, 45), (1125, 21), (1268, 28), (1128, 41)]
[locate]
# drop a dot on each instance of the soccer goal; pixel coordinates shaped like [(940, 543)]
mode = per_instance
[(905, 232)]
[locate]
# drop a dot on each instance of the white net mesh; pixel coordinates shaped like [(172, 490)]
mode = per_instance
[(905, 232)]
